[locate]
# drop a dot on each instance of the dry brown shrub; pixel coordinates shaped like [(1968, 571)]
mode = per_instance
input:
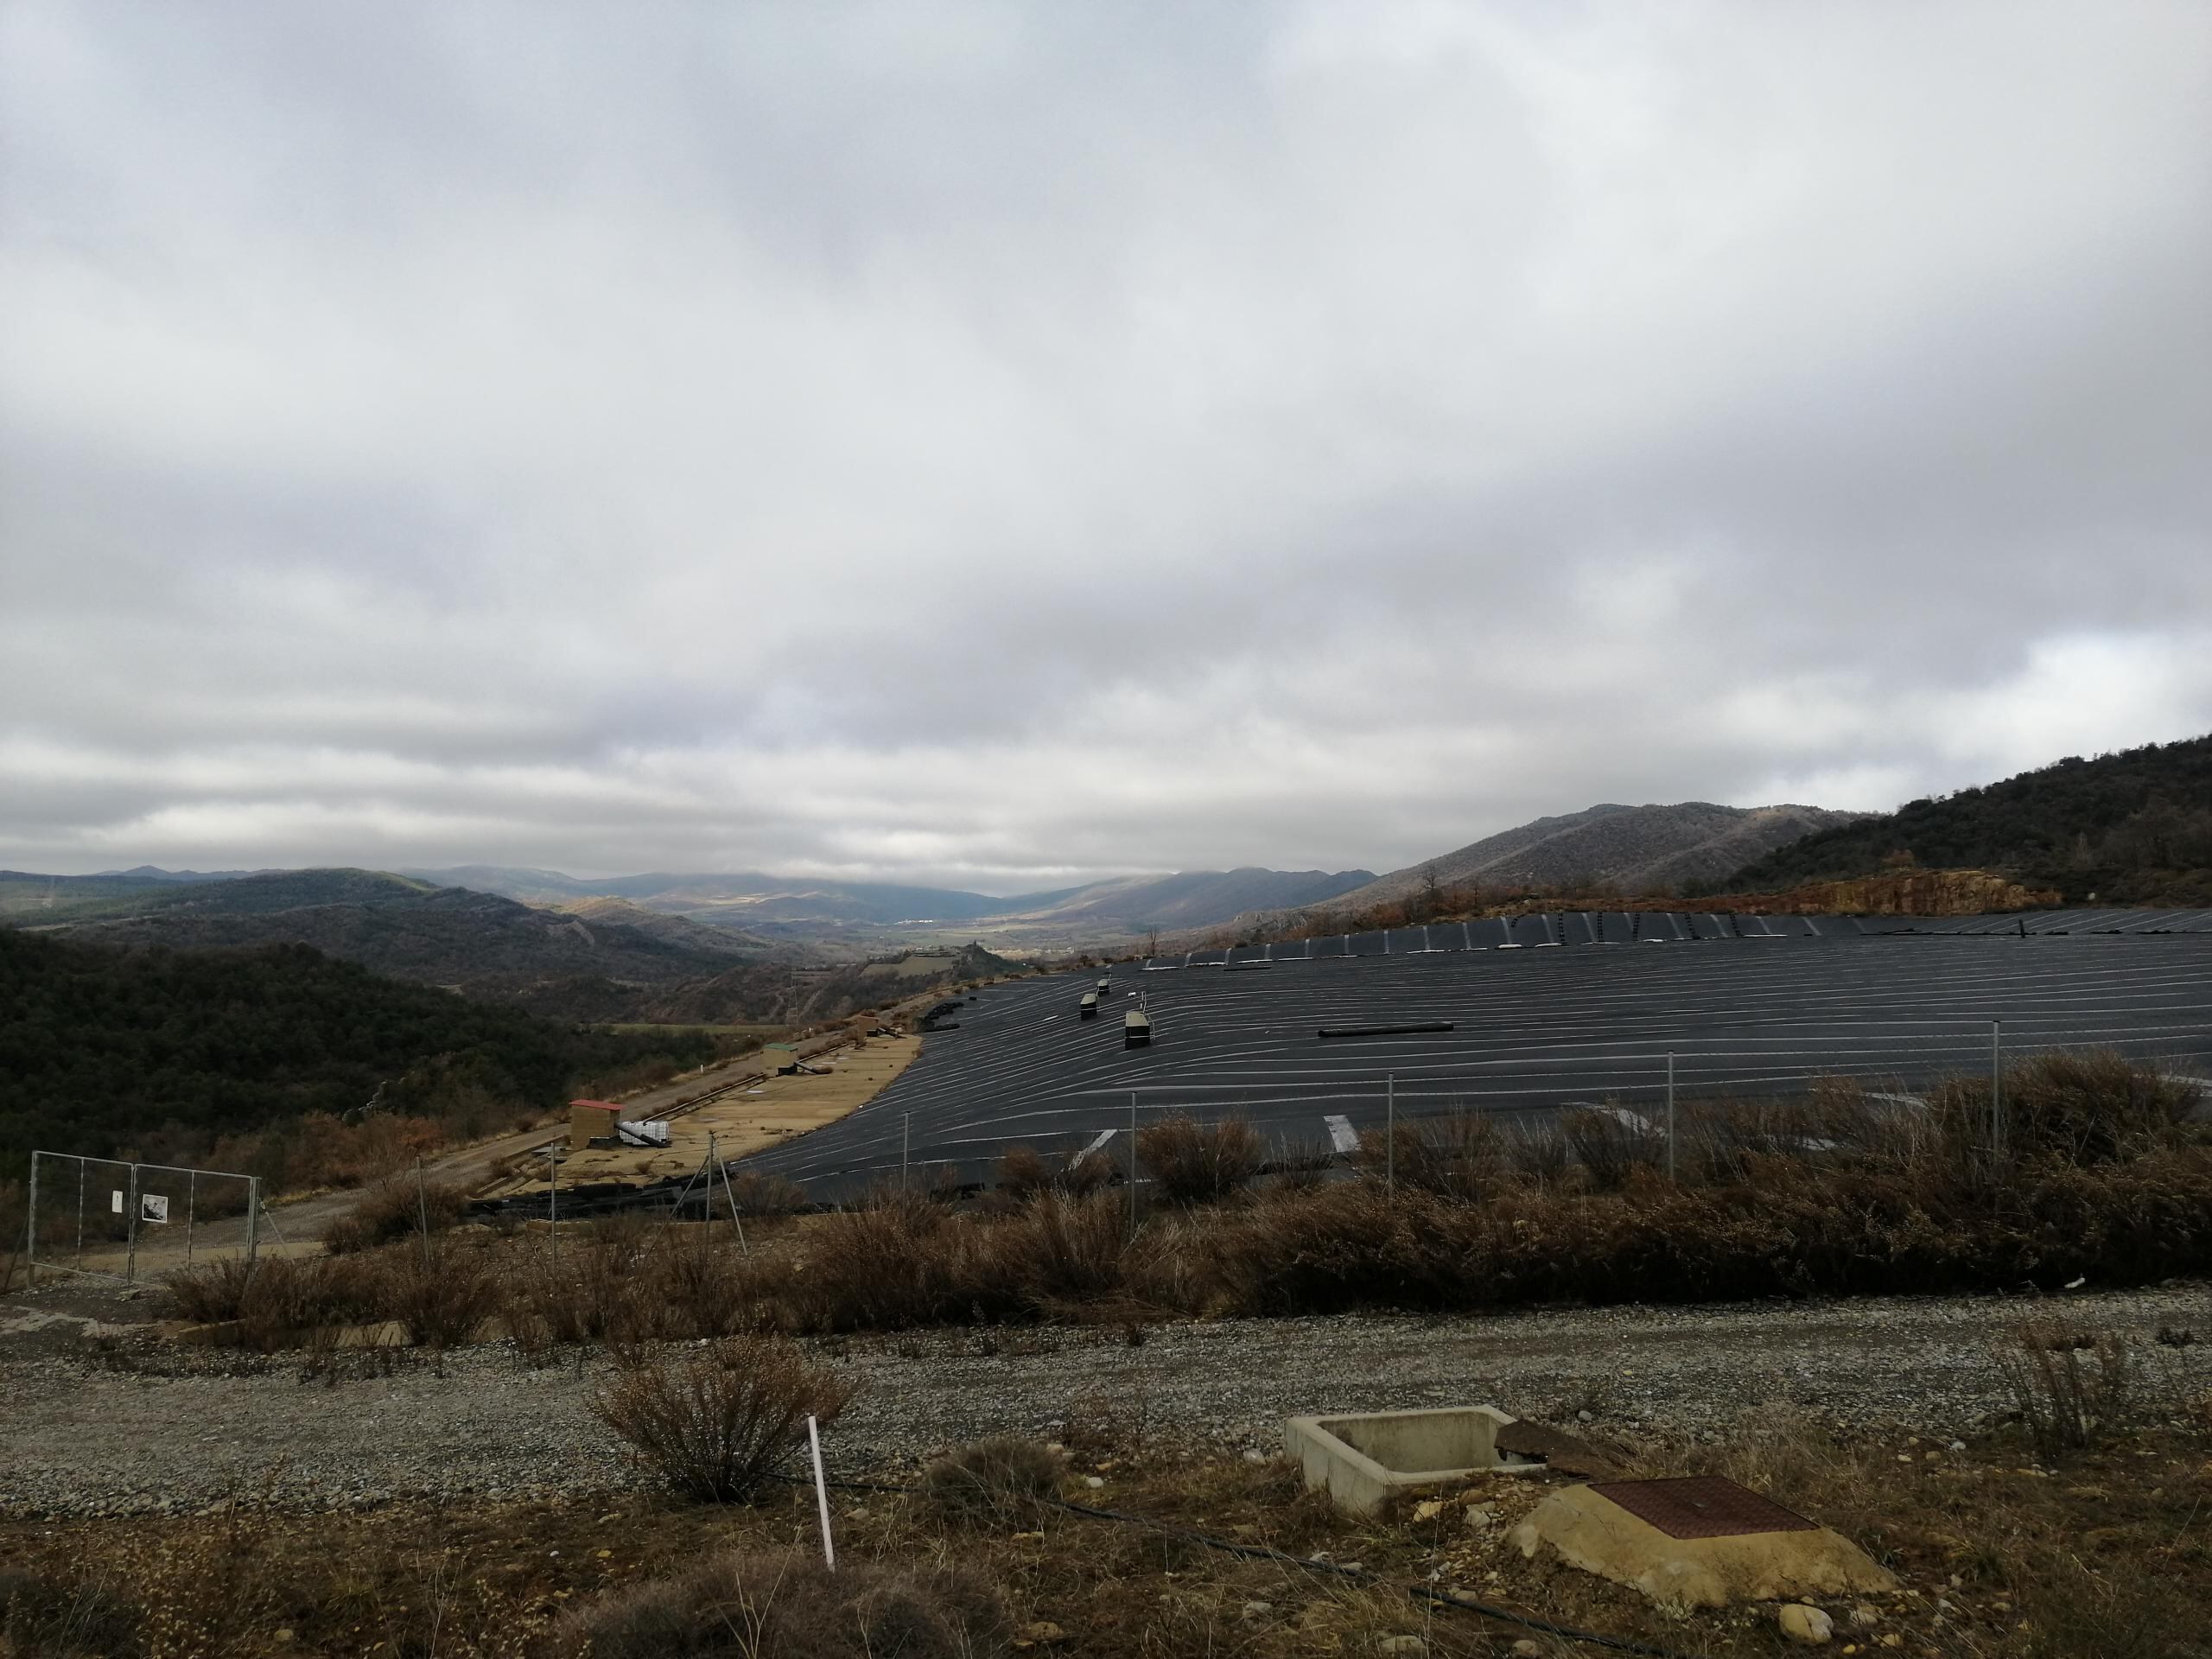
[(1192, 1162), (788, 1605), (716, 1422), (1082, 1173), (213, 1293), (1607, 1148), (440, 1295), (2074, 1106), (1065, 1248), (584, 1292), (286, 1299), (701, 1281), (763, 1195), (903, 1260), (1022, 1172), (1458, 1154), (1002, 1480), (394, 1209)]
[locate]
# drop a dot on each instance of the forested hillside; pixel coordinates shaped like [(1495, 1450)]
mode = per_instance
[(169, 1051), (2133, 828), (478, 942)]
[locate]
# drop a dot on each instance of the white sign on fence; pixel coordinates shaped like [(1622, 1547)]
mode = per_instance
[(117, 1205), (152, 1206)]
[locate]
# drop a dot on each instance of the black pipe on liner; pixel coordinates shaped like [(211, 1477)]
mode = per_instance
[(1327, 1031)]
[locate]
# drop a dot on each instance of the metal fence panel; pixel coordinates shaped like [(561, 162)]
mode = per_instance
[(119, 1219)]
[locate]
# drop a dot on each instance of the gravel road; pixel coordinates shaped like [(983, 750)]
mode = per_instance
[(103, 1419)]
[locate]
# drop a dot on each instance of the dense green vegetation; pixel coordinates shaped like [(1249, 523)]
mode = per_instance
[(166, 1052), (2133, 828)]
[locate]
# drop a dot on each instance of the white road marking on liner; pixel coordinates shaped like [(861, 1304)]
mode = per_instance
[(1342, 1136), (1099, 1145)]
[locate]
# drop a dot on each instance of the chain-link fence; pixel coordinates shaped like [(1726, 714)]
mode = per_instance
[(134, 1221)]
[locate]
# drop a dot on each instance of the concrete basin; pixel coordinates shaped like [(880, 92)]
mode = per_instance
[(1366, 1458)]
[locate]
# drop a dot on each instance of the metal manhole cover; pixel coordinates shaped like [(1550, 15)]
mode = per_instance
[(1702, 1506)]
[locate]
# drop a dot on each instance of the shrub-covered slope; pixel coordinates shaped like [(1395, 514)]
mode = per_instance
[(101, 1047), (2131, 828)]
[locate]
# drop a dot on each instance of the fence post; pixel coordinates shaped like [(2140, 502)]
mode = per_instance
[(191, 1205), (552, 1202), (82, 1178), (1670, 1115), (252, 1216), (1133, 1163), (422, 1211), (735, 1220), (905, 1139), (30, 1236), (130, 1231), (1996, 1092), (1390, 1132)]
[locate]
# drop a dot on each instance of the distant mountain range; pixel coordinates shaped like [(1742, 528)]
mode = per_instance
[(1629, 848), (476, 942), (741, 899), (599, 958), (799, 907), (2133, 828), (1137, 904)]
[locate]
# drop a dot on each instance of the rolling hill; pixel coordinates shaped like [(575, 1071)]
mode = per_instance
[(167, 1051), (2132, 828), (1628, 849), (476, 942)]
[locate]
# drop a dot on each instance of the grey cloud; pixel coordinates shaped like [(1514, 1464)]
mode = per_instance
[(1004, 442)]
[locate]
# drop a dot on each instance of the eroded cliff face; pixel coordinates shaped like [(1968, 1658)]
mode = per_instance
[(1903, 892)]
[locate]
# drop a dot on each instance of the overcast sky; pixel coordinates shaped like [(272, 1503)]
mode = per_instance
[(1004, 444)]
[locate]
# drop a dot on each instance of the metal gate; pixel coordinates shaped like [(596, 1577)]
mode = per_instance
[(122, 1220)]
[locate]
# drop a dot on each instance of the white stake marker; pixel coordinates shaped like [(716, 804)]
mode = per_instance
[(821, 1494)]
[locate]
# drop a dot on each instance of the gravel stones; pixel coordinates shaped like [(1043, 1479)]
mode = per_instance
[(157, 1429)]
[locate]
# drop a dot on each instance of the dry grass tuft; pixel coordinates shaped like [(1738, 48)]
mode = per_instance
[(715, 1424), (65, 1618), (999, 1481), (2072, 1388), (785, 1604)]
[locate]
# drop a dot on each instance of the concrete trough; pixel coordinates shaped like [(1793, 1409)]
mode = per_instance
[(1365, 1459)]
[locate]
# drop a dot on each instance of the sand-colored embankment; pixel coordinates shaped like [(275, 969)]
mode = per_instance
[(746, 1120)]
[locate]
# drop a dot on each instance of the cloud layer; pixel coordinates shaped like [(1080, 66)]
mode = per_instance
[(1005, 444)]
